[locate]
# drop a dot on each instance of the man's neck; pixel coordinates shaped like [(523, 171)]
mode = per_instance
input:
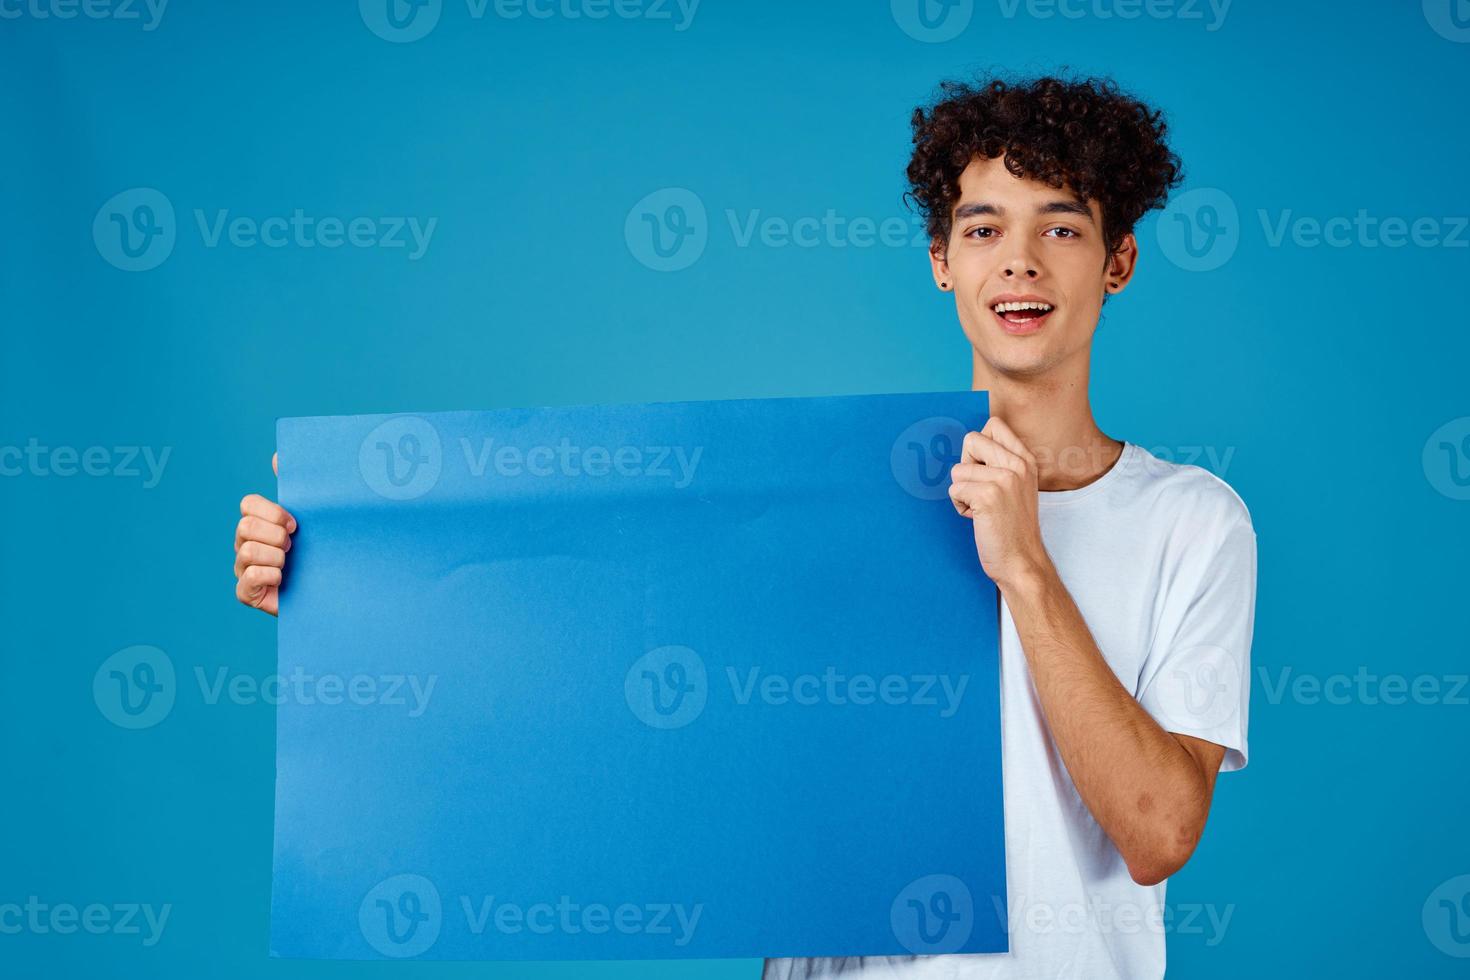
[(1052, 415)]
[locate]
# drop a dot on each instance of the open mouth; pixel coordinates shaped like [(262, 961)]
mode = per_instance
[(1022, 316)]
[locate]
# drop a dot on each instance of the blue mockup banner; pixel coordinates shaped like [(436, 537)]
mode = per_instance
[(703, 679)]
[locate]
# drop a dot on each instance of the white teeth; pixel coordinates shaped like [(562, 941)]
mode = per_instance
[(1027, 305)]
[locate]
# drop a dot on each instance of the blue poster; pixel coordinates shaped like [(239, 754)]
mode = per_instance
[(703, 679)]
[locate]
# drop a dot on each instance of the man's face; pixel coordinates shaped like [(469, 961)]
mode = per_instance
[(1017, 240)]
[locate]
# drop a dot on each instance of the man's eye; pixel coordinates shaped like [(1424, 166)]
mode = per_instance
[(1062, 232), (981, 232)]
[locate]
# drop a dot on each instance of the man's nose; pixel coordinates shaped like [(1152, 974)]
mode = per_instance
[(1021, 268)]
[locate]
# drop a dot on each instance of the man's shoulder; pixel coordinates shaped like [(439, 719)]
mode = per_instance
[(1185, 492)]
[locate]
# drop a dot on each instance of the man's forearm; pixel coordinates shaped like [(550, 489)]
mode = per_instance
[(1148, 791)]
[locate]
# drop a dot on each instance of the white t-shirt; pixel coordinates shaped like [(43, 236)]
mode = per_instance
[(1161, 560)]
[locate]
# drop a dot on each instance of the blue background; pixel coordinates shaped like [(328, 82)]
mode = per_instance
[(1317, 375)]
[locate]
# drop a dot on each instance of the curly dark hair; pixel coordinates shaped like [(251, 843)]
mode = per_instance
[(1086, 134)]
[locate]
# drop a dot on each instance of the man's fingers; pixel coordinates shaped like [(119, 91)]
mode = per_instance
[(255, 553), (255, 582), (262, 530), (980, 473), (972, 495), (258, 577), (262, 538), (254, 505), (969, 482), (258, 588), (980, 448), (1005, 436), (961, 505)]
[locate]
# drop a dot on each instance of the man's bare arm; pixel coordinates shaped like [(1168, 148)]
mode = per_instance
[(1149, 789)]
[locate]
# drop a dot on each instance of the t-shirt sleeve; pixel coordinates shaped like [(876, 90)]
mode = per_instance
[(1196, 677)]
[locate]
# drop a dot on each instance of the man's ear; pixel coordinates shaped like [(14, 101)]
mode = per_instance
[(1120, 266), (939, 263)]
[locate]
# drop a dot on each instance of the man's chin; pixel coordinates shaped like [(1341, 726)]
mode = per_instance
[(1018, 364)]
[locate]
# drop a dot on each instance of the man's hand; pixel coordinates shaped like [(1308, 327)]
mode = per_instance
[(262, 539), (995, 485)]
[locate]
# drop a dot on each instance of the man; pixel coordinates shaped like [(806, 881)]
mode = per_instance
[(1127, 583)]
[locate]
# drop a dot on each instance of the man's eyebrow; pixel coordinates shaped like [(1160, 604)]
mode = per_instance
[(973, 209), (1069, 206)]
